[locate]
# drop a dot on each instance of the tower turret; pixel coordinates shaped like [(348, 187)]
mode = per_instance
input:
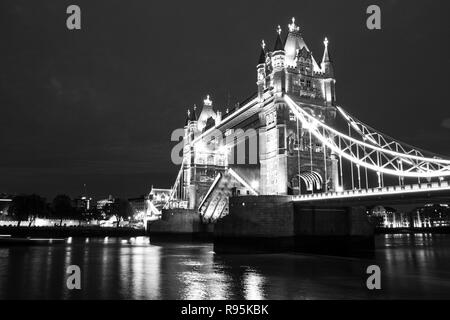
[(329, 81), (278, 63), (294, 44), (190, 126), (278, 42), (207, 112), (188, 117), (261, 70), (326, 65)]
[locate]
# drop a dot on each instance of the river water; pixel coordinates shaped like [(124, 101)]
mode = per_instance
[(412, 266)]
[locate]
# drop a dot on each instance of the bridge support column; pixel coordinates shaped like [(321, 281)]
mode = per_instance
[(333, 230), (179, 224), (276, 224)]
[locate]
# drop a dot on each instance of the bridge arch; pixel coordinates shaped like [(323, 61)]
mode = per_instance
[(312, 180)]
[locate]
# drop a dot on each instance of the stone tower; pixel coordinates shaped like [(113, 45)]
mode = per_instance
[(201, 161), (292, 161)]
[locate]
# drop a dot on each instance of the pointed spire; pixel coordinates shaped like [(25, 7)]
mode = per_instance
[(326, 65), (207, 101), (194, 113), (206, 113), (326, 55), (188, 117), (293, 27), (262, 56), (278, 43)]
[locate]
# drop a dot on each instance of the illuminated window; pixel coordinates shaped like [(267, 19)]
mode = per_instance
[(271, 118)]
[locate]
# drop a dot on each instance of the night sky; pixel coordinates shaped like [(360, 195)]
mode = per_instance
[(97, 106)]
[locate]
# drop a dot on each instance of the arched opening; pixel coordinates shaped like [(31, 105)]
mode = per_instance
[(310, 182)]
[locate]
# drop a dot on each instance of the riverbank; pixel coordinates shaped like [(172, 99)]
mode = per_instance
[(97, 231), (63, 232), (436, 230)]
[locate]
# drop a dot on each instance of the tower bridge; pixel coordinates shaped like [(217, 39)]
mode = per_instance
[(299, 144)]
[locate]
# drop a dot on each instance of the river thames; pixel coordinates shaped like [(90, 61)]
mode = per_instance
[(412, 267)]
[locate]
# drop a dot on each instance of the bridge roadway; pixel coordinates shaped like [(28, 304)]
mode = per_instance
[(408, 194)]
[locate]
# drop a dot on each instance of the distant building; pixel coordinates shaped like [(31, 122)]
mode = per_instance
[(83, 204), (5, 202), (104, 205), (387, 217), (148, 208), (428, 216), (432, 215), (159, 197), (139, 205)]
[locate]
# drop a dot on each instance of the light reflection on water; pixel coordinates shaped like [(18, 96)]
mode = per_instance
[(412, 266), (253, 285)]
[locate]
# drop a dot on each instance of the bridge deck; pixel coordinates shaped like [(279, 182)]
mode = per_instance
[(415, 193)]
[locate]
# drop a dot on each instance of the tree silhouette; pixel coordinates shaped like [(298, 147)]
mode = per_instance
[(19, 208), (121, 209), (62, 207), (28, 207), (37, 206)]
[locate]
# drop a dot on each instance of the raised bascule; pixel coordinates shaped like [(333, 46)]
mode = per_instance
[(289, 167)]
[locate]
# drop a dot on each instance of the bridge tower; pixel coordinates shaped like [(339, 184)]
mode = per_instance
[(201, 162), (293, 162)]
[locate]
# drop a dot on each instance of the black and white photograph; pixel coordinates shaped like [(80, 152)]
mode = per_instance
[(224, 154)]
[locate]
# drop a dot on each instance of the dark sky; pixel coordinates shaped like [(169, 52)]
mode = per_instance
[(97, 106)]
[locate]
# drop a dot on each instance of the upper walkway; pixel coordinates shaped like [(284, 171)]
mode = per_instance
[(435, 191)]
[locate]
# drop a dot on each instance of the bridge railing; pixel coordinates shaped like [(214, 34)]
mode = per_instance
[(443, 185)]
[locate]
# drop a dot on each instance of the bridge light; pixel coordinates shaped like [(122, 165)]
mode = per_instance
[(406, 161), (311, 125), (355, 126)]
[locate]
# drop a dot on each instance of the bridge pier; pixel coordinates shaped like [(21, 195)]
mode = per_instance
[(276, 224), (179, 224)]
